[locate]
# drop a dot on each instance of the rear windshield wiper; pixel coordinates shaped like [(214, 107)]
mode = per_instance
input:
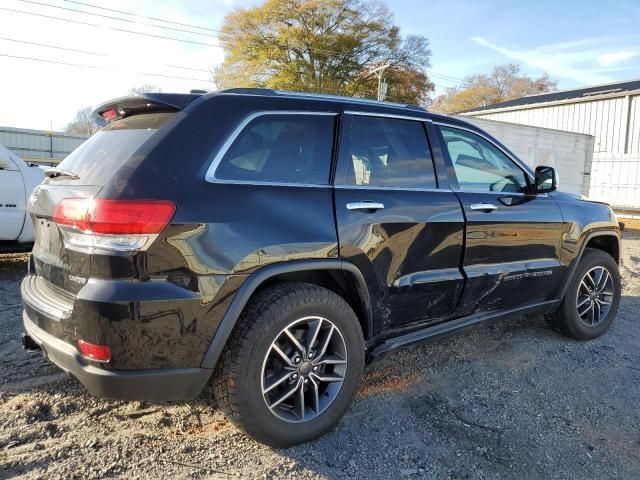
[(58, 172)]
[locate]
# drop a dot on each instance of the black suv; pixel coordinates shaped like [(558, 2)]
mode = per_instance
[(275, 242)]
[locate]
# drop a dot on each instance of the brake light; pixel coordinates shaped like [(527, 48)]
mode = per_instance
[(109, 114), (94, 224), (114, 216), (98, 353)]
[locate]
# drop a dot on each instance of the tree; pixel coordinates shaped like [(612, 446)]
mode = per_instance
[(326, 46), (146, 88), (82, 124), (505, 82)]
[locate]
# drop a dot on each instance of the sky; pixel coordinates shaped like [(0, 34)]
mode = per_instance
[(577, 43)]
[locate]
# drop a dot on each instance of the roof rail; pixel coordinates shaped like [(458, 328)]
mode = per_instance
[(249, 91), (320, 96)]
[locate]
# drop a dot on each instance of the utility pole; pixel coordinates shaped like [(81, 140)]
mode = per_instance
[(379, 71)]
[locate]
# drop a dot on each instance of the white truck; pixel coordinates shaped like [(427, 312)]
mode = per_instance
[(17, 181)]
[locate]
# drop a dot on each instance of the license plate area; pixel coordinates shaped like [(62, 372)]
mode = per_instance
[(43, 234)]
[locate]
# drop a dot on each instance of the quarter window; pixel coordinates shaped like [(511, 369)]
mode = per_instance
[(389, 152), (479, 165), (281, 148)]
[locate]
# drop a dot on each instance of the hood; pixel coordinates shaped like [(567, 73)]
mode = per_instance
[(576, 196)]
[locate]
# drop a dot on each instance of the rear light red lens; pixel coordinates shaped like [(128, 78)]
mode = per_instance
[(119, 217), (109, 114), (99, 353)]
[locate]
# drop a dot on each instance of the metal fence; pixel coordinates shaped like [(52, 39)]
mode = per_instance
[(616, 180), (39, 146)]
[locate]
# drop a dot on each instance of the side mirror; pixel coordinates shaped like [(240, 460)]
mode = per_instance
[(546, 179)]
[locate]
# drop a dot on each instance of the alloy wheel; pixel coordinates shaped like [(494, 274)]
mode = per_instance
[(304, 369), (595, 294)]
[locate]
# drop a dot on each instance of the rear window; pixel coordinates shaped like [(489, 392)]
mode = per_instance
[(281, 148), (107, 150)]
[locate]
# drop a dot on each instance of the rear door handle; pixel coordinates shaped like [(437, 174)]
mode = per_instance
[(483, 207), (366, 206)]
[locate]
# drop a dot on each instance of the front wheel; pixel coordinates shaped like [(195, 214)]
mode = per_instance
[(292, 365), (592, 297)]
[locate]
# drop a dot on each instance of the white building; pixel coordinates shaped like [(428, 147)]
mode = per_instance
[(610, 113), (39, 146)]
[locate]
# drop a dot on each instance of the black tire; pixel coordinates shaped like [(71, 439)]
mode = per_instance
[(566, 318), (238, 378)]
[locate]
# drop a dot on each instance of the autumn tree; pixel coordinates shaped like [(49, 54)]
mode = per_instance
[(505, 82), (326, 46), (82, 124)]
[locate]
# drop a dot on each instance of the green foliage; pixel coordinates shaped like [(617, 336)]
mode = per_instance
[(325, 46)]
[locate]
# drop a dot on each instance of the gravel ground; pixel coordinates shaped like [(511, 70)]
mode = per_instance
[(510, 400)]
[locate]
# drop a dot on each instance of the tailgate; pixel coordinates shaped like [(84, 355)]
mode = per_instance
[(64, 269)]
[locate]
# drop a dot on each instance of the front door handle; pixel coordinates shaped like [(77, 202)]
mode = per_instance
[(483, 207), (365, 206)]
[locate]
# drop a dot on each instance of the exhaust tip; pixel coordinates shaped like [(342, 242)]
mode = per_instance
[(29, 344)]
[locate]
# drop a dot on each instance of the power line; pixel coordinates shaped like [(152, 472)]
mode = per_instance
[(94, 67), (115, 18), (87, 52), (442, 86), (107, 27), (142, 16), (436, 74), (445, 77), (187, 68), (442, 76), (431, 72)]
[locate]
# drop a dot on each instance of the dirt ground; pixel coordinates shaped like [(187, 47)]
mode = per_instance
[(509, 400)]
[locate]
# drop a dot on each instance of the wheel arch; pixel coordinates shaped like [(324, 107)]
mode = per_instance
[(342, 277), (606, 241)]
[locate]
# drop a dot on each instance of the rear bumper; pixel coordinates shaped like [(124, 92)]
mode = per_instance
[(149, 325), (155, 384)]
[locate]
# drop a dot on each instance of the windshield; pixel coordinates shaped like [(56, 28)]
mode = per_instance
[(108, 149)]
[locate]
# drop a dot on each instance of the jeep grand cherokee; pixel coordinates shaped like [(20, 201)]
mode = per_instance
[(275, 242)]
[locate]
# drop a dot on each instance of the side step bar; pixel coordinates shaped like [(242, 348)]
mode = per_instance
[(453, 326)]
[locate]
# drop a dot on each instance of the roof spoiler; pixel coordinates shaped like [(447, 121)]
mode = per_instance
[(143, 103)]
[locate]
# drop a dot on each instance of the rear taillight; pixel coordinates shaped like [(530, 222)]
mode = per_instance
[(97, 353), (102, 224)]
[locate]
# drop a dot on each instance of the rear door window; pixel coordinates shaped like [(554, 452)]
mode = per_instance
[(281, 148), (109, 149), (389, 152)]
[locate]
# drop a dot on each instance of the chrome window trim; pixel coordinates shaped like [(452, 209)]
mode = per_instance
[(267, 184), (509, 155), (505, 194), (418, 189), (386, 115), (404, 189), (210, 175)]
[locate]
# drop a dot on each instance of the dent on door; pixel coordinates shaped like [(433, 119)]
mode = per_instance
[(512, 253), (409, 253)]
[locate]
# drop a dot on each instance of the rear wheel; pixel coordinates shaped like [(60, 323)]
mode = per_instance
[(592, 297), (292, 366)]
